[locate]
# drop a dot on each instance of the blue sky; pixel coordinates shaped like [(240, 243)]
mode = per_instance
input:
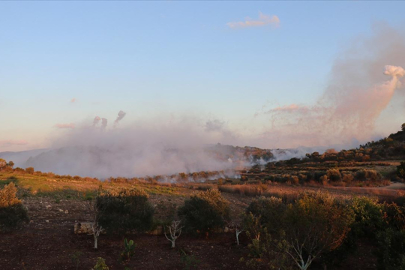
[(180, 57)]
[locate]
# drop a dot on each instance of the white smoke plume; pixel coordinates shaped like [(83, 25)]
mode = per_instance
[(356, 95), (96, 120), (121, 114)]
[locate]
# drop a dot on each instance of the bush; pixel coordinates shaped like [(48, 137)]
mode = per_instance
[(204, 211), (300, 232), (369, 218), (265, 250), (401, 170), (124, 211), (391, 253), (394, 215), (100, 265), (334, 175), (30, 170), (348, 178), (371, 175), (12, 212), (269, 210)]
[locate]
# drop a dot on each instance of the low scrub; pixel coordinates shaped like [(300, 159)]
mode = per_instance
[(12, 212), (205, 211), (124, 211)]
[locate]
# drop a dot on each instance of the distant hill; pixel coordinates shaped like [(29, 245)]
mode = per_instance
[(389, 148), (21, 157), (102, 162)]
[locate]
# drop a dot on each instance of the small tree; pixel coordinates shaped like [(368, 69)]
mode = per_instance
[(174, 232), (205, 211), (96, 229), (238, 229), (10, 164), (30, 170), (3, 164)]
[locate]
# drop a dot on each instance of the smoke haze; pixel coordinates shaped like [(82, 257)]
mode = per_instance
[(154, 147)]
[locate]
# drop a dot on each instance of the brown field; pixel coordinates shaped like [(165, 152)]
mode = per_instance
[(56, 203)]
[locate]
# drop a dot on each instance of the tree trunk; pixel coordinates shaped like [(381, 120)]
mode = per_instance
[(173, 244), (95, 242)]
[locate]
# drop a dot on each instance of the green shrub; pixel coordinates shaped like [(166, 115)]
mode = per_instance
[(189, 261), (265, 250), (100, 265), (204, 211), (12, 212), (369, 218), (124, 211), (129, 250), (391, 252), (299, 232), (270, 210)]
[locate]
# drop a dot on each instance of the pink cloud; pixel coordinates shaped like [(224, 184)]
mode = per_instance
[(73, 100), (292, 108), (70, 125)]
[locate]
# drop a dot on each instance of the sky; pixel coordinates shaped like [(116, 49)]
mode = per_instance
[(63, 63)]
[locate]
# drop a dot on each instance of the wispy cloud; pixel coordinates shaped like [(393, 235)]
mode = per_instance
[(73, 100), (289, 109), (70, 125), (13, 142), (263, 20)]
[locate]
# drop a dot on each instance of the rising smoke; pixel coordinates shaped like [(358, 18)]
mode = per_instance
[(103, 123), (96, 120), (121, 114), (356, 95)]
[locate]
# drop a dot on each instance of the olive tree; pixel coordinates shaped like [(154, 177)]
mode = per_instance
[(315, 224)]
